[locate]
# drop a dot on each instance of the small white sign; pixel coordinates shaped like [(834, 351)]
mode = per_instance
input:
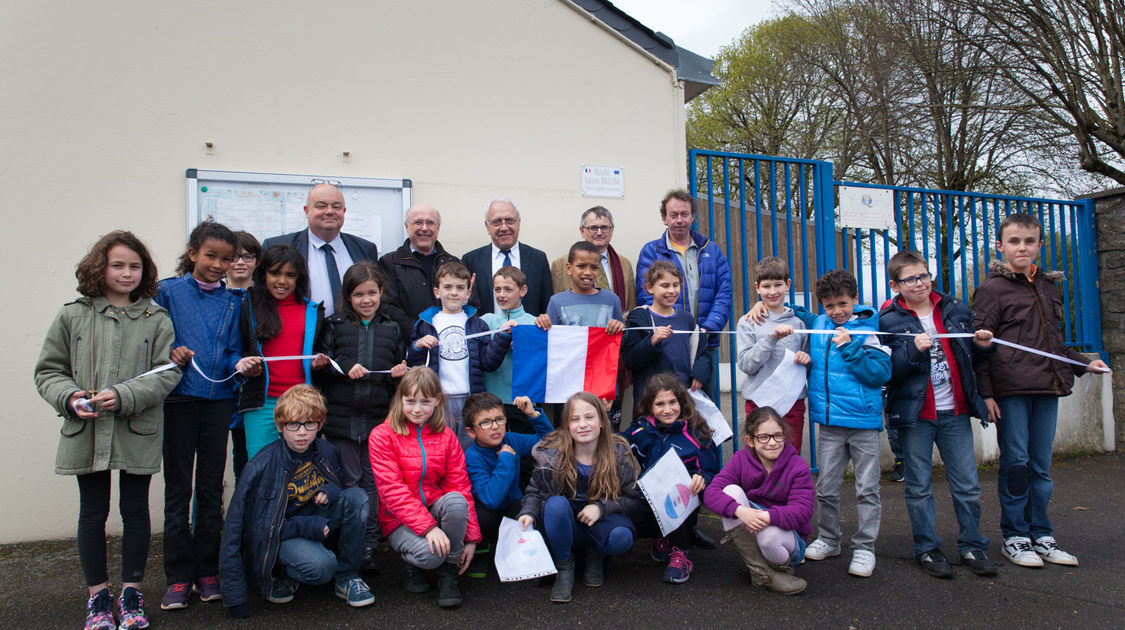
[(602, 181), (867, 208)]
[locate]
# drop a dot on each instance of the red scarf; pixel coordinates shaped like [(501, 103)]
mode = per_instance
[(618, 276)]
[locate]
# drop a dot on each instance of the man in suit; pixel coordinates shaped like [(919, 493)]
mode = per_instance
[(328, 251), (502, 220), (616, 274), (409, 270)]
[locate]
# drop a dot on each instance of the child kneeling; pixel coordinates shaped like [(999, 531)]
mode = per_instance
[(292, 487)]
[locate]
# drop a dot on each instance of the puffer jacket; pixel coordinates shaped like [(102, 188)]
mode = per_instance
[(545, 485), (409, 291), (649, 440), (93, 345), (716, 293), (846, 384), (786, 492), (1028, 313), (486, 353), (207, 324), (253, 392), (414, 470)]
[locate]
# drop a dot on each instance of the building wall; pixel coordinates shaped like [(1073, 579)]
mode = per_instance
[(106, 105)]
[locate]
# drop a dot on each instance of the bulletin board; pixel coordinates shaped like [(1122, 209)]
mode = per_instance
[(269, 204)]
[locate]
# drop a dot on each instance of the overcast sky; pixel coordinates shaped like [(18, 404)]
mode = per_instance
[(701, 26)]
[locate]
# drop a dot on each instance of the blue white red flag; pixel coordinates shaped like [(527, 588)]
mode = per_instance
[(550, 365)]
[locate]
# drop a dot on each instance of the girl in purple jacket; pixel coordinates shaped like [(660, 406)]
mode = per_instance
[(765, 494)]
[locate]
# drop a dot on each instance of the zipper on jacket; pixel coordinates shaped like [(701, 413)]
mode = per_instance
[(275, 529), (422, 479), (827, 394)]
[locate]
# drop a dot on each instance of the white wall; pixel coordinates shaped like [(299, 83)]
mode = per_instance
[(105, 105)]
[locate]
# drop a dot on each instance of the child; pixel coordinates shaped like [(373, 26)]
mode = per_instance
[(1019, 301), (198, 411), (509, 286), (493, 462), (459, 362), (425, 498), (582, 492), (87, 371), (240, 275), (667, 420), (360, 338), (648, 353), (290, 499), (278, 320), (768, 488), (761, 347), (930, 396), (584, 304)]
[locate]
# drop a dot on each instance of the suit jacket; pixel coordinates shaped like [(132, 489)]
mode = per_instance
[(533, 263), (358, 248)]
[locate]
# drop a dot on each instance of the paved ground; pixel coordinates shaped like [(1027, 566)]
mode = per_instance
[(42, 586)]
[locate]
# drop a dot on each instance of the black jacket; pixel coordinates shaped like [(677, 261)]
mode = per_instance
[(533, 264), (358, 248), (409, 290)]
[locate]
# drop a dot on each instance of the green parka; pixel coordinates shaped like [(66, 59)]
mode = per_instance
[(93, 345)]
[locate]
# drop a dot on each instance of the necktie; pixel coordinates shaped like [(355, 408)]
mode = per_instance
[(333, 270), (507, 258)]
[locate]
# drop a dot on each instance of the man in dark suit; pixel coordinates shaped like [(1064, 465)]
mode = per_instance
[(409, 270), (502, 220), (328, 251)]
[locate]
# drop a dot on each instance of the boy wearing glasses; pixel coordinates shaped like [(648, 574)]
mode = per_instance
[(931, 394), (493, 461), (287, 503)]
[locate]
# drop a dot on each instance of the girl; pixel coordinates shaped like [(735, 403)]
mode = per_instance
[(278, 320), (768, 488), (582, 491), (666, 419), (425, 498), (359, 336), (88, 371), (240, 276), (650, 352), (197, 412)]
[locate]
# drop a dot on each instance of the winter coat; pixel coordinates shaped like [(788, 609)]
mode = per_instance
[(716, 293), (409, 290), (485, 353), (646, 360), (92, 346), (207, 324), (760, 353), (253, 393), (544, 484), (650, 440), (495, 475), (786, 492)]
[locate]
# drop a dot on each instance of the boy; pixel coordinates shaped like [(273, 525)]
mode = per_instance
[(1021, 390), (287, 502), (509, 286), (931, 394), (761, 347), (584, 304), (493, 462), (459, 362)]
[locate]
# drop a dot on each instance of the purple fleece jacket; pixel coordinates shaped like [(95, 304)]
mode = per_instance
[(786, 492)]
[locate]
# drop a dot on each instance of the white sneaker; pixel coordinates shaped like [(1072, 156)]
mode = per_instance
[(820, 550), (863, 563), (1048, 549), (1018, 551)]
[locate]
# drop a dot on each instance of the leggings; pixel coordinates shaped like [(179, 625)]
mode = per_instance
[(777, 545), (612, 535), (93, 510)]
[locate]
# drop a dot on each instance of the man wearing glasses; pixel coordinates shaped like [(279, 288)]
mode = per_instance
[(596, 227), (502, 220)]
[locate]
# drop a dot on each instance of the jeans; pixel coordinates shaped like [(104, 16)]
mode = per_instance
[(93, 510), (310, 562), (834, 447), (452, 514), (894, 440), (355, 462), (611, 535), (1026, 433), (953, 435)]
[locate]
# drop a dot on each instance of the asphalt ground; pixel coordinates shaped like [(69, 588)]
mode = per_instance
[(41, 584)]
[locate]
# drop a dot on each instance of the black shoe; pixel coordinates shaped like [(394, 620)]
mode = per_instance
[(701, 540), (978, 563), (935, 564), (369, 560), (478, 566), (897, 474), (413, 579), (448, 594)]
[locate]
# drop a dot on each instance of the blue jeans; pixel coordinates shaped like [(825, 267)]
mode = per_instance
[(310, 562), (953, 435), (1026, 433), (612, 535)]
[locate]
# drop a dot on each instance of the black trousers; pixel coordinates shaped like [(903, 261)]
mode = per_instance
[(93, 510), (489, 520)]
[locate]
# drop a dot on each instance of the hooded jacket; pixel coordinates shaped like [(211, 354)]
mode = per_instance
[(846, 384), (486, 353), (716, 293)]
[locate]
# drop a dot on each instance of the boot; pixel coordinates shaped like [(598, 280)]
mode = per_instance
[(448, 594), (564, 581), (761, 571), (594, 574), (413, 579)]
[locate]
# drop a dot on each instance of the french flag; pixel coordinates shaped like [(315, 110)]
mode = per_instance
[(550, 365)]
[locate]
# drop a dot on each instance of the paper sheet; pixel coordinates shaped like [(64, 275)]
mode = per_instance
[(720, 428), (521, 555), (782, 389), (667, 488)]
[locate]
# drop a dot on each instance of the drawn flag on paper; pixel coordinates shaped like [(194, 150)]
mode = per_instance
[(550, 365), (521, 555), (667, 488)]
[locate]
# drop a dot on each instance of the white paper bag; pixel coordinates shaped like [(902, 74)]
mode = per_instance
[(521, 555), (667, 488)]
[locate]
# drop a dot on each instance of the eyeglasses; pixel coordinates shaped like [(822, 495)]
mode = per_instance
[(764, 438), (489, 424), (424, 223), (913, 280), (310, 425), (593, 229), (509, 221), (334, 182), (247, 256)]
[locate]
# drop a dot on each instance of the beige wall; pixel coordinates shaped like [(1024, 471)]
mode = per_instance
[(105, 105)]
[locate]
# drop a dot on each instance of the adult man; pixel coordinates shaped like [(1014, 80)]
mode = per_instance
[(410, 268), (707, 292), (596, 226), (502, 220), (328, 251)]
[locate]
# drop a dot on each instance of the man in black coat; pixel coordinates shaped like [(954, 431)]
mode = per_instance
[(409, 270), (502, 220)]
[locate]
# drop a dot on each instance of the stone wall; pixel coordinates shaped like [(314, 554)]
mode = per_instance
[(1109, 209)]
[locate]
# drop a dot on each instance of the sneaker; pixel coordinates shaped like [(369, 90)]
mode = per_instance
[(820, 550), (131, 610), (282, 591), (99, 611), (863, 563), (897, 474), (978, 562), (1049, 550), (1018, 551), (661, 550), (478, 566), (448, 593), (176, 596), (208, 588), (356, 592), (679, 567), (935, 564), (701, 540)]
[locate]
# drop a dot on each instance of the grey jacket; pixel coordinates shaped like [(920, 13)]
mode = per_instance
[(759, 352)]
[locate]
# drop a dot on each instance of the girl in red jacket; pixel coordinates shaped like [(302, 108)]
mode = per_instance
[(425, 498)]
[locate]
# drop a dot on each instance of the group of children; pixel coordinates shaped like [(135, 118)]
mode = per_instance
[(414, 443)]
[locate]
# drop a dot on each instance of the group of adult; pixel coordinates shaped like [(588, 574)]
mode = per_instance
[(707, 290)]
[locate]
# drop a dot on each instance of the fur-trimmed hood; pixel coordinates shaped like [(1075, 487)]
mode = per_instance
[(1001, 268)]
